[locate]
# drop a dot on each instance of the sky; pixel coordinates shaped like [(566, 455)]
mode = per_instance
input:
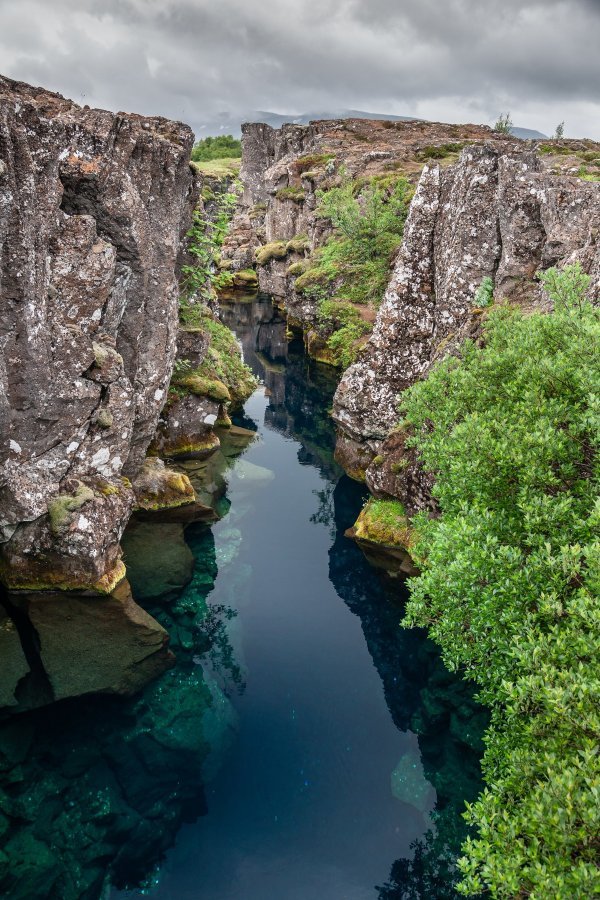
[(444, 60)]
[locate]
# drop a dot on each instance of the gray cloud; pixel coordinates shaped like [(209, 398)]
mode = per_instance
[(458, 60)]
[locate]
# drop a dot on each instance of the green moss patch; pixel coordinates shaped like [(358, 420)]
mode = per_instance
[(384, 522), (273, 250), (291, 192), (311, 161), (61, 508)]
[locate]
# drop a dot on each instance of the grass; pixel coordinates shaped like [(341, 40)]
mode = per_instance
[(219, 168)]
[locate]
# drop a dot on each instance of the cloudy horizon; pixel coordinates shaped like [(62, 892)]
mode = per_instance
[(461, 61)]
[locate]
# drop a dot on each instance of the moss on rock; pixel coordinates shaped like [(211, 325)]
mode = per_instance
[(273, 250), (204, 387), (384, 522), (294, 193), (61, 508)]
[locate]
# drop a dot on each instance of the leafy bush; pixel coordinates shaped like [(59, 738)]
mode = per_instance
[(503, 124), (201, 279), (224, 146), (510, 577), (484, 295), (348, 328), (368, 231)]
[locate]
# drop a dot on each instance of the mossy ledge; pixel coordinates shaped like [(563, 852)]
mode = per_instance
[(384, 533), (44, 578)]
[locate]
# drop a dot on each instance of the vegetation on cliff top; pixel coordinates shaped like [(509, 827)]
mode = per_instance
[(510, 577), (352, 268)]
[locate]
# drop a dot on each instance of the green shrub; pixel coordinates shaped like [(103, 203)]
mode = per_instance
[(440, 151), (503, 124), (311, 161), (368, 231), (484, 295), (510, 578), (585, 174), (224, 146), (201, 279), (348, 328)]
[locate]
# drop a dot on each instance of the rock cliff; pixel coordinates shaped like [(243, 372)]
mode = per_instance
[(503, 212), (282, 171), (93, 207)]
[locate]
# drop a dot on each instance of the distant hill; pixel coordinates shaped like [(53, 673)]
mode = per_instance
[(527, 133), (227, 123)]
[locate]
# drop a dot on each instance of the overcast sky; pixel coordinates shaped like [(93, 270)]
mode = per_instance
[(448, 60)]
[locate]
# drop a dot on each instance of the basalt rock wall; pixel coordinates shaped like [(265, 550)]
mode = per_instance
[(501, 212), (93, 207), (283, 170)]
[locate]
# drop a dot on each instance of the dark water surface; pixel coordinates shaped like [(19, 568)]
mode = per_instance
[(342, 748)]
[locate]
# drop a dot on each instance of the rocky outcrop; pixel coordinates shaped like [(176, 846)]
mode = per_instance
[(93, 208), (283, 169), (503, 211)]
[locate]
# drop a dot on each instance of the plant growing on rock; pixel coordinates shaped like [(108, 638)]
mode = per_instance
[(348, 327), (202, 278), (510, 577), (484, 295), (503, 124), (368, 229)]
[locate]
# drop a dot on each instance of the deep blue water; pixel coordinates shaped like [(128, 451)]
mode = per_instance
[(304, 745), (326, 785)]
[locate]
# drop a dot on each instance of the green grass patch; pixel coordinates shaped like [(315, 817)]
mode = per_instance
[(291, 192), (219, 168)]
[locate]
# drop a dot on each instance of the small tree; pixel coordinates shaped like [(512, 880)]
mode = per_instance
[(560, 131), (504, 123)]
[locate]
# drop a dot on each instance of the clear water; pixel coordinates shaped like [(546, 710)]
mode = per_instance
[(342, 748)]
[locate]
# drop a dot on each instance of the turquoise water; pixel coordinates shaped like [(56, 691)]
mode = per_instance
[(304, 746)]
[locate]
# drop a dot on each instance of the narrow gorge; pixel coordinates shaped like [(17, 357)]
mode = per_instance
[(237, 413)]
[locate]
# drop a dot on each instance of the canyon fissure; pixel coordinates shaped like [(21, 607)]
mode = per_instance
[(151, 462)]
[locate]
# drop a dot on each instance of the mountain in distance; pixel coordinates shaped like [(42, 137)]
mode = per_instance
[(226, 123)]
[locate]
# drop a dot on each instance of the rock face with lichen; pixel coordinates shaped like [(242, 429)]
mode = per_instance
[(93, 209), (503, 211), (276, 226)]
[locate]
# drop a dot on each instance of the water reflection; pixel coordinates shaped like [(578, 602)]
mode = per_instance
[(93, 791)]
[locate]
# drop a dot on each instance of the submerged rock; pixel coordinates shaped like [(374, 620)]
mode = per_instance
[(86, 643), (159, 562)]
